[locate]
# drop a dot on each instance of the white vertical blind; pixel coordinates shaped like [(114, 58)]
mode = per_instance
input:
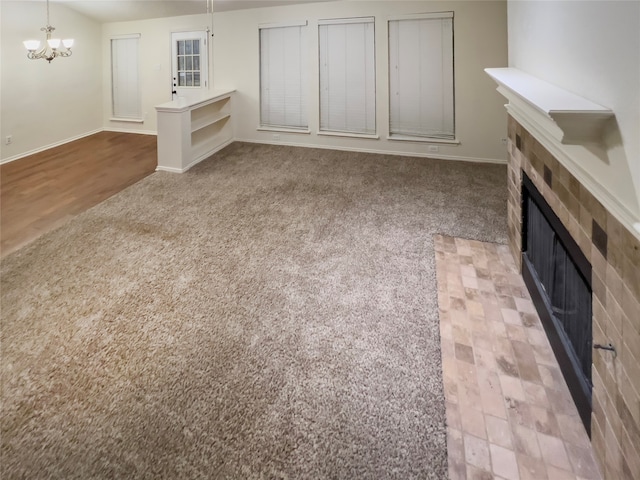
[(421, 76), (347, 75), (283, 77), (125, 81)]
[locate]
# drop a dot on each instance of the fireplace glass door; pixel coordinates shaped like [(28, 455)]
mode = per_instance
[(553, 268)]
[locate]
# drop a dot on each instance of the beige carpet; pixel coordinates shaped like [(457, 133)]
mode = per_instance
[(270, 314)]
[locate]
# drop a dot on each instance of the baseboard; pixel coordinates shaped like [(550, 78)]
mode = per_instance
[(199, 159), (289, 144), (128, 130), (47, 147), (169, 169), (383, 152)]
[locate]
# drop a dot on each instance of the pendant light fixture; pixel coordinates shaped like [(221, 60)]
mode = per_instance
[(51, 48)]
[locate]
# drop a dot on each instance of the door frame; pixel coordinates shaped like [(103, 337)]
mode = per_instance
[(205, 62)]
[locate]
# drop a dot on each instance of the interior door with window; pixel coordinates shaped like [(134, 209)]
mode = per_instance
[(189, 65)]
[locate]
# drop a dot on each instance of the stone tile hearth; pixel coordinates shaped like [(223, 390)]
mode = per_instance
[(509, 412)]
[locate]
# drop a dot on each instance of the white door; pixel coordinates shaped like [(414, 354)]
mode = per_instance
[(190, 62)]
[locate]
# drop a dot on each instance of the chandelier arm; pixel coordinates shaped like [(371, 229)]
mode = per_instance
[(37, 54)]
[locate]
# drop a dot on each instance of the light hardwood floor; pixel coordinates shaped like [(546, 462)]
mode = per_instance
[(42, 191)]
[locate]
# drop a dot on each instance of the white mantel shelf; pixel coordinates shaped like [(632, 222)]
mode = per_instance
[(579, 121), (570, 127)]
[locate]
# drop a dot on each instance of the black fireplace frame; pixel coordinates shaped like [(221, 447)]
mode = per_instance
[(579, 386)]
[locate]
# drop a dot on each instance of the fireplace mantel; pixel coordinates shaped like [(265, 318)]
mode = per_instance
[(572, 129), (569, 118)]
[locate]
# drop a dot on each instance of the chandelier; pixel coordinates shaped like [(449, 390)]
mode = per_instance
[(51, 49)]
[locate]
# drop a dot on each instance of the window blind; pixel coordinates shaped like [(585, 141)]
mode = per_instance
[(125, 81), (421, 76), (283, 77), (347, 75)]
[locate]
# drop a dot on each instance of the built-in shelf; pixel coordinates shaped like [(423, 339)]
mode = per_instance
[(192, 129), (578, 120), (205, 122)]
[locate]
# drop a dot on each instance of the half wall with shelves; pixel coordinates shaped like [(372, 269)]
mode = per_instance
[(192, 129)]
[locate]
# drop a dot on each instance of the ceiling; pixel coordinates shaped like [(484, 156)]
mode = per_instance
[(106, 11)]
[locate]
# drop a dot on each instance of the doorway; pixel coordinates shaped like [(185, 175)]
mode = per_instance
[(189, 63)]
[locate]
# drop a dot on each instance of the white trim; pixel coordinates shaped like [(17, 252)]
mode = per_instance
[(267, 128), (546, 137), (407, 138), (196, 160), (551, 114), (343, 21), (187, 29), (578, 119), (122, 37), (126, 130), (330, 133), (169, 169), (184, 104), (130, 120), (302, 23), (421, 16), (381, 152), (47, 147)]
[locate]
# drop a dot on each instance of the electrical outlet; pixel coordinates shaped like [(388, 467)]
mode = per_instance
[(8, 140), (504, 141), (275, 137), (434, 148)]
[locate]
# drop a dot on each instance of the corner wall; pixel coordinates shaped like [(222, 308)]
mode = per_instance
[(44, 104), (591, 48), (480, 41), (155, 65)]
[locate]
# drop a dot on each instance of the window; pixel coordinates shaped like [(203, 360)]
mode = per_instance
[(421, 76), (125, 81), (188, 63), (347, 75), (283, 77)]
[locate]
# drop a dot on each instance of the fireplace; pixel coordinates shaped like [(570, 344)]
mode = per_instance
[(557, 142), (609, 387), (558, 276)]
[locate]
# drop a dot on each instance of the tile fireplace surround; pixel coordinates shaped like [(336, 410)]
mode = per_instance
[(614, 253)]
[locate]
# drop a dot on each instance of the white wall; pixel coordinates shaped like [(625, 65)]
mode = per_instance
[(47, 103), (81, 85), (591, 48), (155, 64), (480, 41)]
